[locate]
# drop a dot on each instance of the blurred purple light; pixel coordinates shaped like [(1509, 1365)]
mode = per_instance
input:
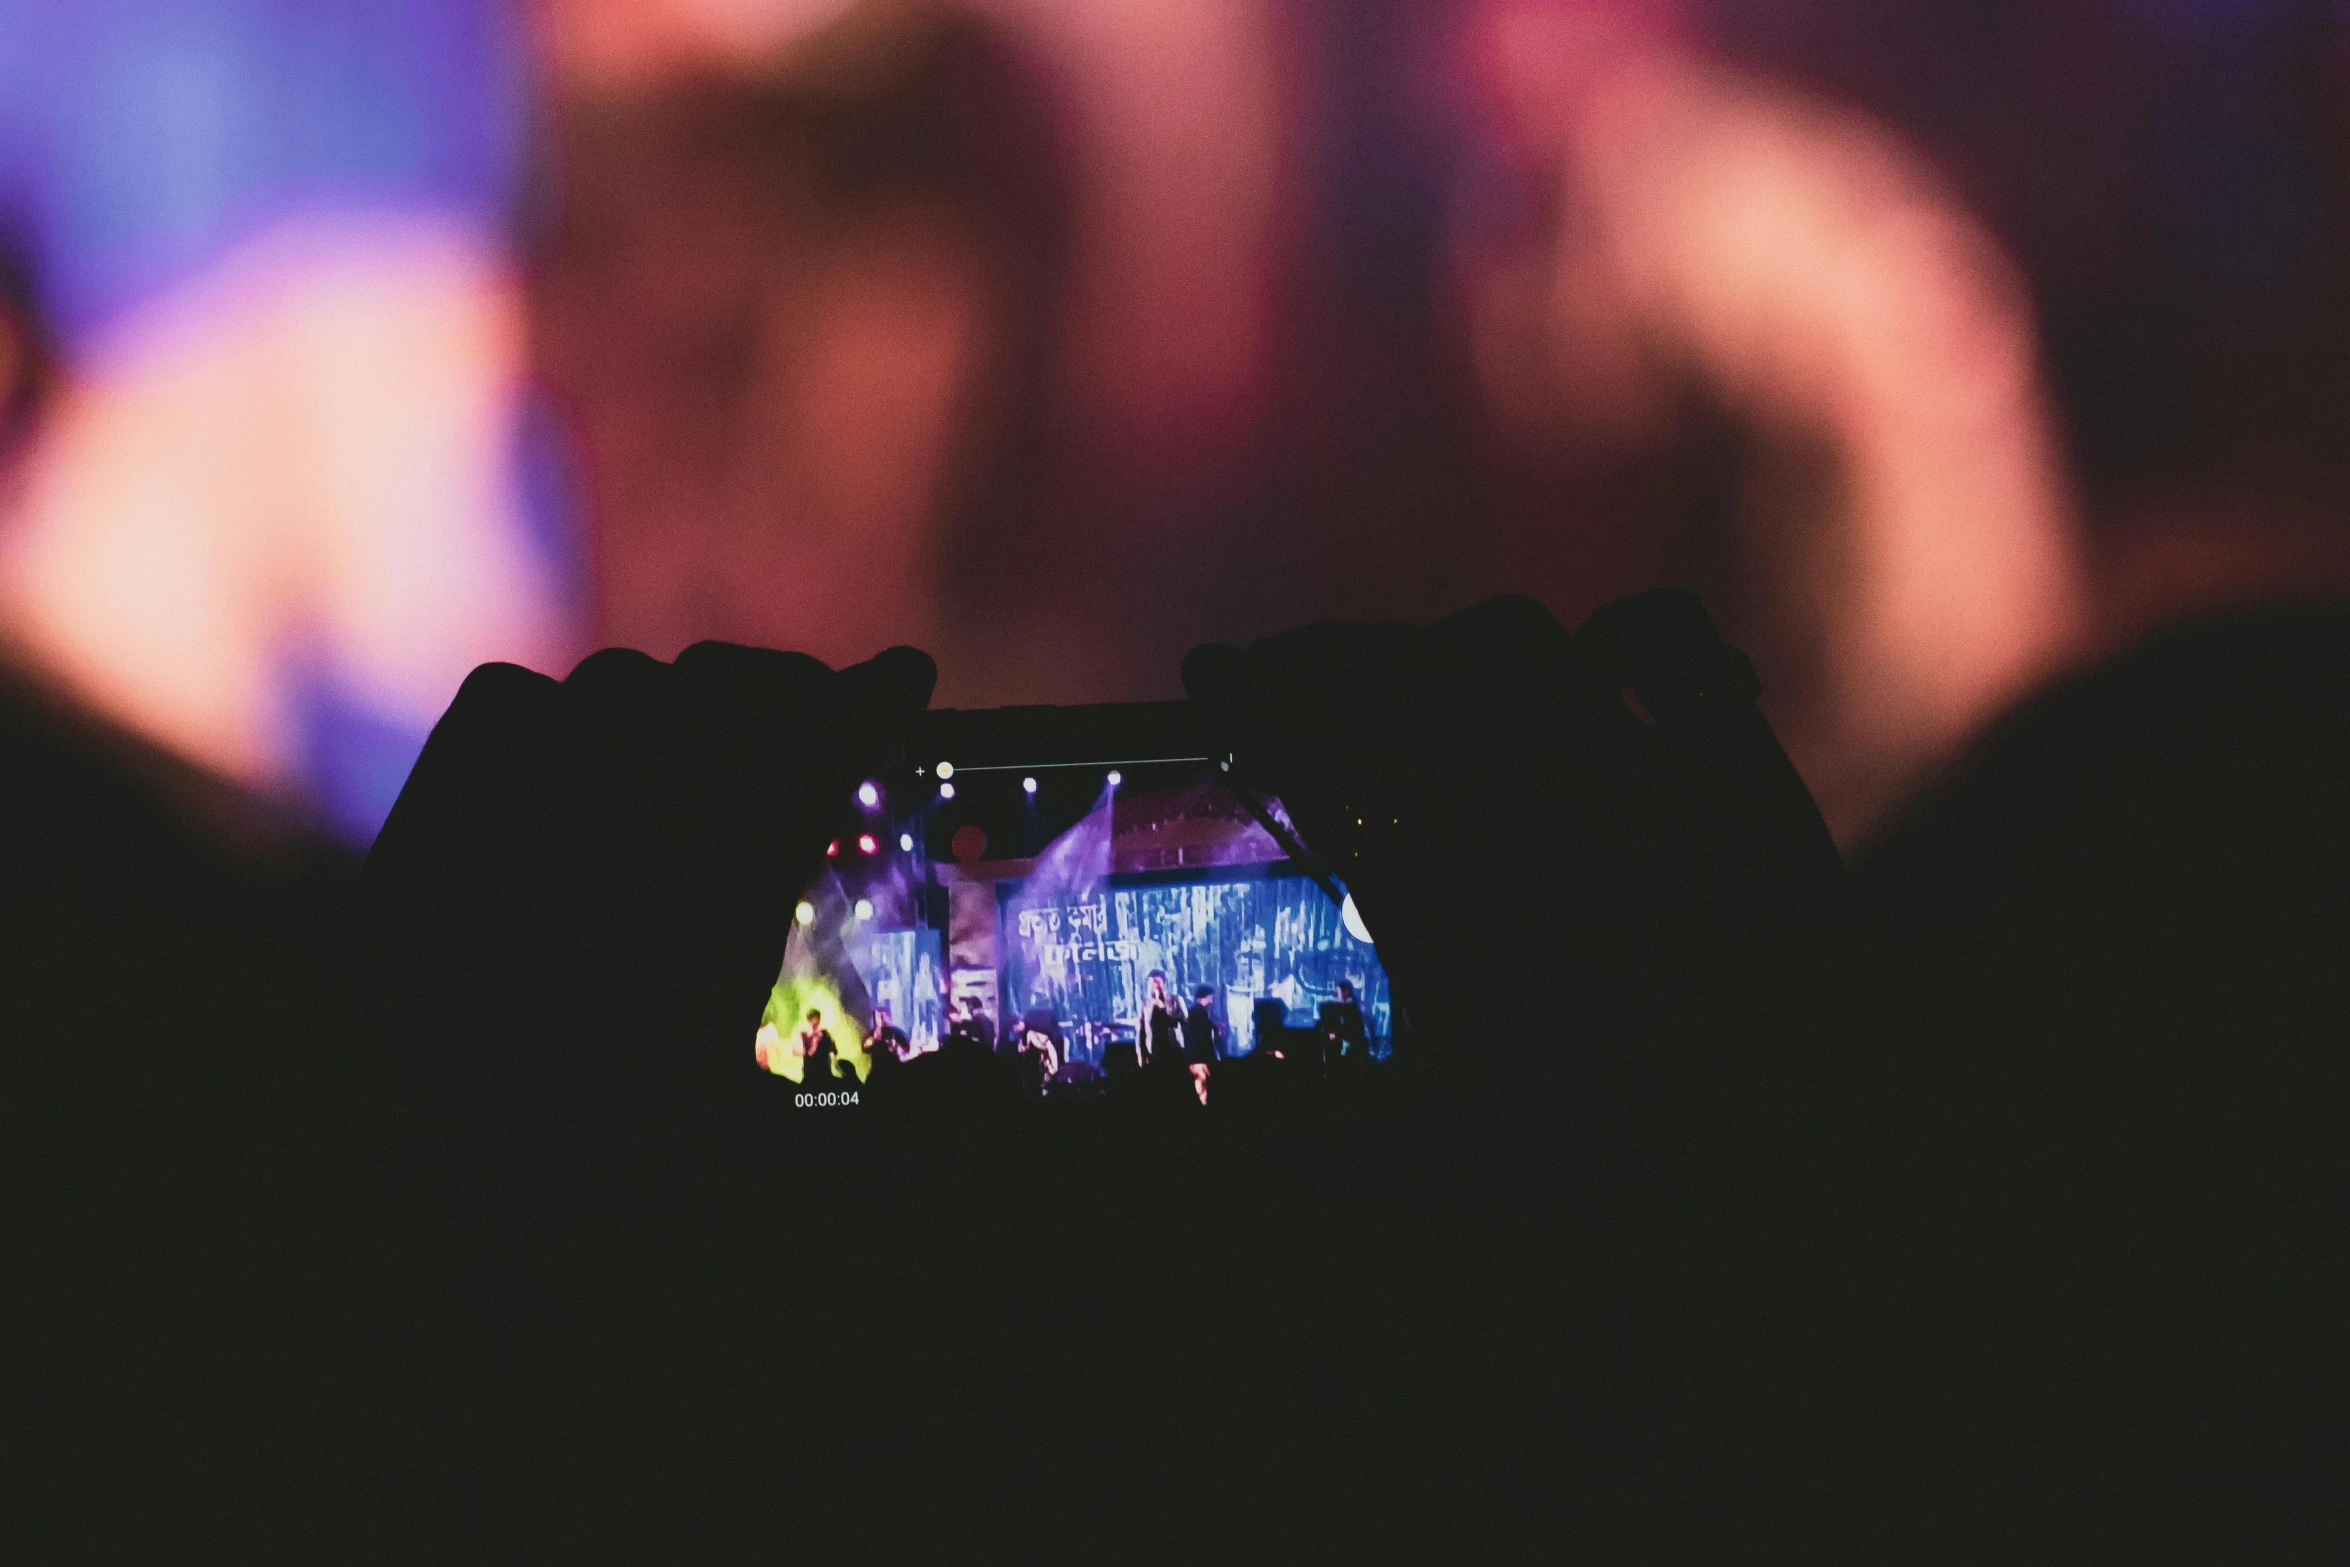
[(141, 142)]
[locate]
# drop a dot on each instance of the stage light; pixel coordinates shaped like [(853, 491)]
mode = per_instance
[(906, 842), (805, 913), (832, 848), (868, 796), (865, 843), (946, 769), (1116, 778), (864, 908), (946, 791), (1028, 784), (1352, 918)]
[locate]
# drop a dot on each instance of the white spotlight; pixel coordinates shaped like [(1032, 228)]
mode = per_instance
[(906, 842), (946, 791), (1352, 918), (868, 796), (805, 913), (1028, 784), (1116, 778), (946, 769), (864, 908)]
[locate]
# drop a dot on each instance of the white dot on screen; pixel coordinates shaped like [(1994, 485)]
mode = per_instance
[(946, 769), (864, 908), (906, 842), (805, 913), (868, 795)]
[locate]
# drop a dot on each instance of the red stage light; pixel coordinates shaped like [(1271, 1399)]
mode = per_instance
[(832, 848), (865, 844)]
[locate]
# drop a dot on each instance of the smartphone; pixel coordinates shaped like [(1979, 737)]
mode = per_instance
[(1069, 906)]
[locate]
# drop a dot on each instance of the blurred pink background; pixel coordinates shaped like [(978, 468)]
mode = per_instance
[(1940, 349)]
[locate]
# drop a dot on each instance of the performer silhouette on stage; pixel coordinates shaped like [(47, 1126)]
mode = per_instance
[(888, 1039), (817, 1051), (1201, 1033), (974, 1024), (1158, 1033), (885, 1052), (1343, 1038)]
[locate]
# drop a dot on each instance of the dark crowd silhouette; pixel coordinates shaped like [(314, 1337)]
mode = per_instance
[(1976, 1193), (1044, 1057), (1973, 1194)]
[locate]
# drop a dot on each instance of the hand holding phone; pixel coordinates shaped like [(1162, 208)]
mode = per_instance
[(1565, 844), (584, 894), (1606, 809), (584, 884)]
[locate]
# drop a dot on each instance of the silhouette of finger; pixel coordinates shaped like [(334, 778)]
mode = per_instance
[(782, 741)]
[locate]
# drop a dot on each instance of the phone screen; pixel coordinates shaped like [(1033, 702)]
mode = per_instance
[(1068, 905)]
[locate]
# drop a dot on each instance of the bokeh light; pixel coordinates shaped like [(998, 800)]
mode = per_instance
[(1706, 293)]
